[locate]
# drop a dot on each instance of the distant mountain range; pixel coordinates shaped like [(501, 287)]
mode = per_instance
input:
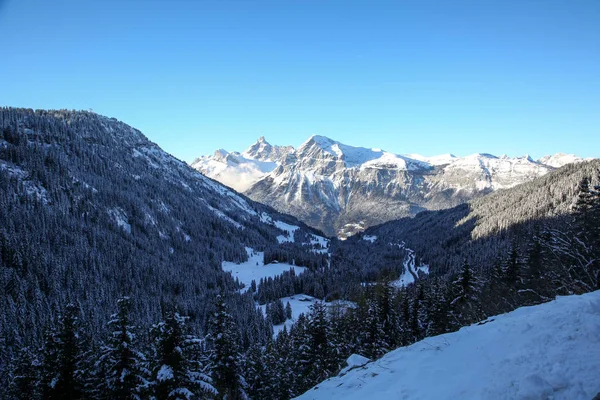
[(343, 189)]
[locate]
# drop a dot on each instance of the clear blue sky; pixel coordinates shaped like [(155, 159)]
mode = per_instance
[(505, 76)]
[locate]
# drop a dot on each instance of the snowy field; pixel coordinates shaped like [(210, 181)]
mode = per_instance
[(254, 268), (545, 352), (300, 304)]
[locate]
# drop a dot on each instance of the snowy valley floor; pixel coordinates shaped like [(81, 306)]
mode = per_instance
[(550, 351)]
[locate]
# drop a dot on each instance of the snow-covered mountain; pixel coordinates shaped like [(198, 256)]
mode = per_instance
[(549, 351), (336, 187)]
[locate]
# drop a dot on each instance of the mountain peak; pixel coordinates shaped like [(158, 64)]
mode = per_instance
[(319, 141)]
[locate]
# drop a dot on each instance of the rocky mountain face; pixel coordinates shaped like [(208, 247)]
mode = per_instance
[(342, 189)]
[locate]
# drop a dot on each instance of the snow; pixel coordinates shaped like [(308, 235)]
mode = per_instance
[(224, 217), (319, 243), (290, 229), (120, 218), (255, 269), (559, 159), (300, 304), (233, 169), (360, 157), (441, 159), (165, 373), (354, 361), (411, 271), (549, 351), (370, 238), (489, 171)]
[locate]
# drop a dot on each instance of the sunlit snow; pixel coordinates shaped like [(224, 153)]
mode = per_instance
[(255, 269), (550, 351)]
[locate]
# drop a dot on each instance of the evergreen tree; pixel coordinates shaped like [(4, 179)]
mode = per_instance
[(322, 357), (225, 356), (437, 309), (121, 365), (25, 376), (282, 372), (302, 354), (178, 373), (255, 371), (63, 377), (372, 336), (512, 269), (465, 303)]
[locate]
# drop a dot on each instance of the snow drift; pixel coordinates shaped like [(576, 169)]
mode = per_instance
[(549, 351)]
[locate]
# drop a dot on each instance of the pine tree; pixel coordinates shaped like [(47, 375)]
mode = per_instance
[(372, 337), (437, 307), (120, 364), (464, 305), (282, 374), (512, 269), (225, 356), (255, 371), (63, 358), (302, 354), (322, 358), (49, 352), (587, 213), (178, 373), (25, 376)]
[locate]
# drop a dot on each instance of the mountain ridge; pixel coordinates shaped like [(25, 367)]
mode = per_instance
[(336, 187)]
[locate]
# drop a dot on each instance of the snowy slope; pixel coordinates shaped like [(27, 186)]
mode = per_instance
[(559, 159), (233, 169), (550, 351)]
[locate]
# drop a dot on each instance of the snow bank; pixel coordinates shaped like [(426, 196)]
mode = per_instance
[(550, 351)]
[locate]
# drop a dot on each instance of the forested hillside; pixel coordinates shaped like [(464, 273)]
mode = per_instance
[(112, 255), (90, 210)]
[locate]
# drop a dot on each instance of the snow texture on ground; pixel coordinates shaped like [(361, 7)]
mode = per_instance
[(300, 304), (549, 351), (289, 229), (255, 268)]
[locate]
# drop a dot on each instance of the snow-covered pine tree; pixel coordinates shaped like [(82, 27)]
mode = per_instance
[(464, 290), (49, 358), (513, 269), (301, 357), (437, 306), (390, 318), (63, 357), (322, 359), (255, 371), (587, 212), (179, 372), (282, 373), (372, 334), (121, 367), (225, 357), (418, 316), (24, 376), (288, 310)]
